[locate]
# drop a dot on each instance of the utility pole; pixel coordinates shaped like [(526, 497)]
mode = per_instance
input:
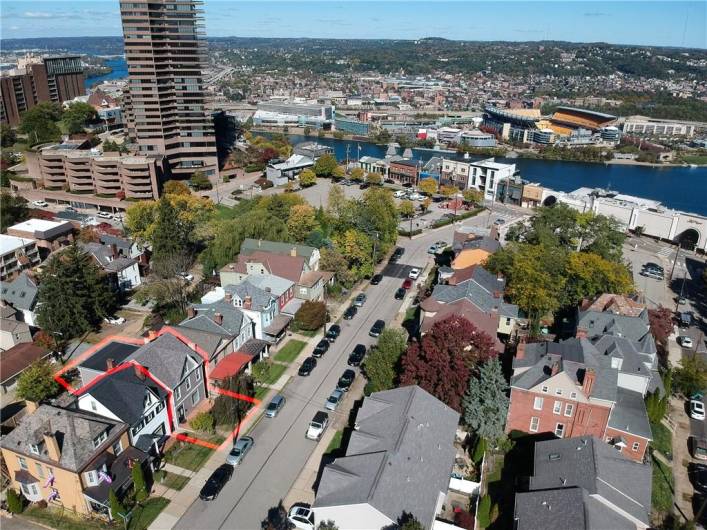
[(675, 260)]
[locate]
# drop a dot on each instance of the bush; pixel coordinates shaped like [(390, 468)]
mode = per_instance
[(263, 183), (203, 422), (311, 316), (14, 502), (483, 513), (464, 520), (479, 450), (254, 168)]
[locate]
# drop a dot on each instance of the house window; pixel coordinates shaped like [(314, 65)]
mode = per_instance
[(117, 448), (178, 392), (635, 447), (40, 471), (30, 490), (94, 407), (573, 395), (534, 423), (91, 478), (545, 389), (558, 391), (135, 430), (34, 449), (538, 403), (195, 397), (22, 462), (557, 407), (188, 383), (159, 407), (98, 440), (198, 375), (560, 430), (569, 409)]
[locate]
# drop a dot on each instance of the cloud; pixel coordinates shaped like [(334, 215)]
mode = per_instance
[(528, 31), (597, 14), (38, 14)]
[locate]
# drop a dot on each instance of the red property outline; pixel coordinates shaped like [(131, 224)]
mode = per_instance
[(58, 377)]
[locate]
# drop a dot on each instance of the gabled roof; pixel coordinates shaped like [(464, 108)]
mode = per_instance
[(399, 457), (285, 266), (629, 414), (476, 291), (120, 242), (485, 322), (252, 245), (165, 357), (260, 299), (20, 293), (270, 283), (233, 318), (18, 358), (614, 303), (116, 350), (599, 323), (104, 256)]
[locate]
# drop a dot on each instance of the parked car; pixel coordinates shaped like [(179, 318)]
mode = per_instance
[(346, 379), (652, 273), (397, 254), (70, 209), (685, 319), (41, 204), (697, 409), (276, 403), (357, 355), (240, 449), (332, 402), (307, 366), (321, 348), (118, 217), (115, 321), (653, 266), (104, 215), (350, 312), (216, 482), (377, 278), (318, 425), (685, 342), (333, 332), (414, 273), (400, 293), (186, 276), (416, 197), (360, 300), (499, 221), (407, 283), (698, 476), (399, 194), (377, 328), (301, 517), (441, 245)]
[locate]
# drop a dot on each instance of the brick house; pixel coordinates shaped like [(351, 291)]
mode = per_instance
[(404, 171)]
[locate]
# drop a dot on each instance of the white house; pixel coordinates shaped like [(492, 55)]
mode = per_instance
[(124, 271)]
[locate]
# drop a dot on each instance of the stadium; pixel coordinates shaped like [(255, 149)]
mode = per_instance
[(567, 119)]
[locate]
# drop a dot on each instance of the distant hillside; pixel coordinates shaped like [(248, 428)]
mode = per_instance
[(82, 45)]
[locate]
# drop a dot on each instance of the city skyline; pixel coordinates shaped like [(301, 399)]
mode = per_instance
[(659, 23)]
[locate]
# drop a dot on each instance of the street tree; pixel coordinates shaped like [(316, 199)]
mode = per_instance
[(356, 174), (37, 383), (428, 186), (377, 212), (325, 165), (661, 325), (311, 315), (448, 191), (406, 209), (301, 221), (382, 361), (425, 204), (332, 260), (601, 235), (473, 196), (357, 248), (13, 210), (338, 173), (691, 376), (443, 360), (77, 116), (374, 179), (486, 402), (199, 181), (588, 275), (307, 178)]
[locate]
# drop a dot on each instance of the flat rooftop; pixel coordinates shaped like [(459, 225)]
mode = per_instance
[(40, 225), (11, 243)]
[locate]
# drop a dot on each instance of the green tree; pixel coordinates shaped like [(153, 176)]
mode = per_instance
[(311, 315), (37, 382), (261, 371), (356, 174), (139, 483), (602, 235), (338, 173), (203, 422), (40, 123), (374, 179), (8, 137), (327, 525), (301, 221), (307, 178), (357, 248), (13, 210), (333, 261), (77, 116), (14, 501), (74, 295), (176, 187), (428, 186), (448, 191), (170, 241), (382, 362), (325, 165), (377, 212), (588, 275), (406, 209), (337, 203), (199, 181), (117, 510), (483, 513), (656, 406), (691, 376), (486, 402), (473, 196)]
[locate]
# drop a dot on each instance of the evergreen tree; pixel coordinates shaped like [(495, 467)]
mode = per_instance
[(139, 483), (116, 508), (170, 240), (381, 363), (14, 501), (74, 294), (13, 210), (486, 402)]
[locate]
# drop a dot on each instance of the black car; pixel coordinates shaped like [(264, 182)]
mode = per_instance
[(357, 355), (400, 293), (216, 482), (364, 186), (698, 476), (345, 380), (377, 328), (350, 312), (376, 279), (307, 366), (321, 348), (397, 254), (333, 332)]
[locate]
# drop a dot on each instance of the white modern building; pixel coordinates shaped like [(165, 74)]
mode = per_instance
[(643, 126), (16, 254), (483, 175), (282, 113)]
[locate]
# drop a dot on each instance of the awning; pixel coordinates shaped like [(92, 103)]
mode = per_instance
[(25, 477), (254, 347), (292, 306), (120, 474), (230, 365), (278, 324)]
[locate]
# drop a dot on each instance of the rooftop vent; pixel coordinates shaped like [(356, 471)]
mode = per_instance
[(554, 457)]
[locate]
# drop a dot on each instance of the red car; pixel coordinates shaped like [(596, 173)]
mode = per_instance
[(407, 283)]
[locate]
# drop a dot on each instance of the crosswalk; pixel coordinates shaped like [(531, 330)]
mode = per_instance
[(665, 252)]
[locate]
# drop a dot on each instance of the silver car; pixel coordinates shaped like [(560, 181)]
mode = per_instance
[(360, 300), (240, 449), (275, 405), (334, 399)]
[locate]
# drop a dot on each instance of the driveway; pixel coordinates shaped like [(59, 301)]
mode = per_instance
[(281, 450)]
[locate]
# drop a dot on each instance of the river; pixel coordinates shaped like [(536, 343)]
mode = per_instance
[(681, 188), (119, 71)]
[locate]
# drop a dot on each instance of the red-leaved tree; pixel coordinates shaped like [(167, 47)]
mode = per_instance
[(444, 359), (661, 325)]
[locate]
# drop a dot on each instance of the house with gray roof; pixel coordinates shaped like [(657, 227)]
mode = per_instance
[(21, 294), (584, 484), (399, 459), (310, 254), (123, 272), (592, 323), (261, 306)]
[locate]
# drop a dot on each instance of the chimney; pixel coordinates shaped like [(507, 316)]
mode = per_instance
[(555, 368), (588, 383), (138, 372), (152, 335), (31, 406), (497, 294), (520, 350), (52, 445), (247, 302), (228, 297), (268, 289), (114, 250), (218, 318), (293, 252), (191, 312), (581, 333), (110, 364)]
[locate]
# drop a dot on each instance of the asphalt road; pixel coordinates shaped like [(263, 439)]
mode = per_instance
[(281, 449)]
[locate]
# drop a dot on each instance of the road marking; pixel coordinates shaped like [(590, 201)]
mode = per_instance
[(665, 251)]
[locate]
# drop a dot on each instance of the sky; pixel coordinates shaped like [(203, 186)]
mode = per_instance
[(665, 23)]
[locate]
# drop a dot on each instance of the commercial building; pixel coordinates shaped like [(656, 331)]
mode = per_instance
[(484, 175), (68, 166), (38, 79), (643, 126), (351, 125), (16, 254), (282, 113), (49, 235), (477, 139), (279, 172), (165, 102)]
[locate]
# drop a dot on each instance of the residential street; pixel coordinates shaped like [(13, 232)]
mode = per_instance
[(281, 449)]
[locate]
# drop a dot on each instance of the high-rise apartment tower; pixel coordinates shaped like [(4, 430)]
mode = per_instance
[(165, 103)]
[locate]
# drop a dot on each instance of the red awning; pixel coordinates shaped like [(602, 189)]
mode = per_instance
[(230, 365)]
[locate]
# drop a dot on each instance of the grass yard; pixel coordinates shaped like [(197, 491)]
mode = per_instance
[(695, 159), (662, 438), (309, 333), (171, 480), (276, 370), (335, 442), (290, 351), (148, 512), (662, 495), (190, 456), (261, 392), (224, 213)]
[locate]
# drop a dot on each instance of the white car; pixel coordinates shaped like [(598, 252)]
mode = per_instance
[(186, 276), (117, 217), (414, 274), (302, 517), (90, 221), (41, 204), (697, 409), (115, 321), (399, 194), (416, 197), (104, 215), (685, 342)]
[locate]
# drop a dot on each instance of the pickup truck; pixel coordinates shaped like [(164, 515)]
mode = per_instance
[(318, 425)]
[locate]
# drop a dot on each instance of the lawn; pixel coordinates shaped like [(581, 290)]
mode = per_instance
[(695, 159), (190, 456), (276, 370), (290, 351), (309, 333), (148, 512), (171, 480), (662, 438), (261, 392), (335, 442), (662, 496), (224, 213)]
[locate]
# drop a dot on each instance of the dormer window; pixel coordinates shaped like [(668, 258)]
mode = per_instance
[(34, 449), (98, 440)]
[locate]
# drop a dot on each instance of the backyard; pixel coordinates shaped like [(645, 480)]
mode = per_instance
[(191, 456), (662, 495), (171, 480)]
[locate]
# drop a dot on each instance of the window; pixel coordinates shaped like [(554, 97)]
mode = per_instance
[(117, 448), (94, 407), (195, 397), (557, 407), (159, 407), (30, 490), (560, 430), (178, 392), (135, 430), (98, 440), (22, 462), (198, 375), (569, 409), (545, 389), (635, 447), (34, 449), (558, 391), (538, 403), (188, 383), (40, 471), (91, 478), (534, 423), (573, 395)]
